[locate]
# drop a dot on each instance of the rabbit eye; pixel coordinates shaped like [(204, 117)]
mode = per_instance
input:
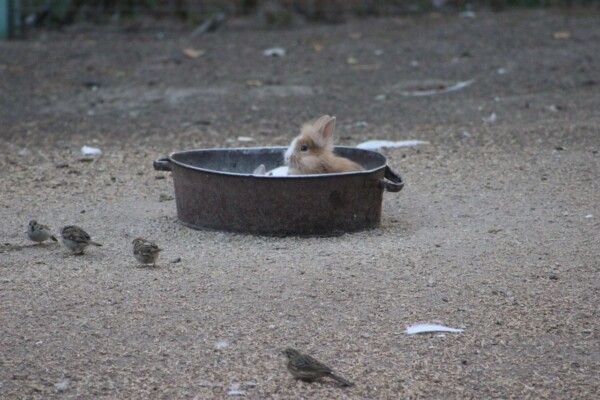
[(304, 147)]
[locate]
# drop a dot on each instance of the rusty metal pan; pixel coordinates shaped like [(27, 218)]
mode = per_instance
[(216, 189)]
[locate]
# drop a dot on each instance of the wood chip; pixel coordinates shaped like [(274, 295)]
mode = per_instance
[(193, 53), (562, 35)]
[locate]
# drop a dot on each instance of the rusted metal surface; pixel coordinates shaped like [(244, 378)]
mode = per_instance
[(215, 189)]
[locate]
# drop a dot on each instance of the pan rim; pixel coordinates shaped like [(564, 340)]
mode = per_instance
[(365, 172)]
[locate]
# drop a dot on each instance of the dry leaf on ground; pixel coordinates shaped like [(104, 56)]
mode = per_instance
[(561, 35), (193, 53)]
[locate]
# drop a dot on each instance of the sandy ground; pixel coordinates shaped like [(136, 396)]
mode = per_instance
[(496, 230)]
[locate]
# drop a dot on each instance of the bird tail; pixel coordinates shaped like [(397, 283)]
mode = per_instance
[(54, 238), (95, 243), (341, 380)]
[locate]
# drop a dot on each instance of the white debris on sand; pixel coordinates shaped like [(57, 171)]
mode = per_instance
[(221, 344), (245, 139), (378, 144), (274, 52), (491, 119), (430, 92), (62, 385), (90, 151), (234, 390), (427, 328)]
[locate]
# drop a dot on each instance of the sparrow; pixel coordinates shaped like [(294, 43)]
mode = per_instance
[(145, 251), (39, 233), (76, 239), (306, 368)]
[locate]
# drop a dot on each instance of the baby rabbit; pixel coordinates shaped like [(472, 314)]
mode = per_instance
[(312, 151)]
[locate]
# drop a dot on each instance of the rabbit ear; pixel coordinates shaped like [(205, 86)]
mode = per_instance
[(327, 129), (321, 121)]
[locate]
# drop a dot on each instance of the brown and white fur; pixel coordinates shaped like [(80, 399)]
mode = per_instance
[(312, 151)]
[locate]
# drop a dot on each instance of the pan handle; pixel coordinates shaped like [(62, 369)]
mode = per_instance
[(394, 182), (162, 164)]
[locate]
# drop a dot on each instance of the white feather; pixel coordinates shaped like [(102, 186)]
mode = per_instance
[(378, 144), (426, 328), (457, 86), (90, 151)]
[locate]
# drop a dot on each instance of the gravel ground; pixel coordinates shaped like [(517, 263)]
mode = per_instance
[(496, 231)]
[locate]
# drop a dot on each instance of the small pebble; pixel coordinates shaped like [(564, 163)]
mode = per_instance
[(165, 197), (93, 85)]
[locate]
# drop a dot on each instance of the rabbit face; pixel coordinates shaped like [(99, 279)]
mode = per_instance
[(307, 151)]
